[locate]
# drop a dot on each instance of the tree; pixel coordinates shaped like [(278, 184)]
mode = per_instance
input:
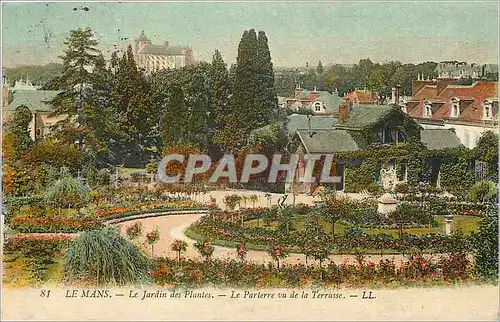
[(486, 246), (265, 78), (152, 238), (136, 132), (174, 118), (219, 93), (482, 191), (277, 253), (179, 246), (17, 127), (320, 69), (314, 242), (79, 60), (205, 248), (335, 208), (253, 95)]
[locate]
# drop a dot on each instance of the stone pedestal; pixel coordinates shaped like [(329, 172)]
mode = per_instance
[(448, 220), (386, 204)]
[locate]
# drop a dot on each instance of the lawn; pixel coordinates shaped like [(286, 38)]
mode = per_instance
[(465, 224)]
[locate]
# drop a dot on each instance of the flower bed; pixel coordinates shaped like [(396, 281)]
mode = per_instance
[(123, 211), (232, 273), (60, 224), (226, 230)]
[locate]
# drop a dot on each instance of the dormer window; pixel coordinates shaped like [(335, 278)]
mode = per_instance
[(427, 110), (317, 107), (487, 110), (455, 108)]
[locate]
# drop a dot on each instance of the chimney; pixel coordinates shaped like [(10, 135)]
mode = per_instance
[(298, 90), (442, 83), (309, 129), (344, 110), (314, 95)]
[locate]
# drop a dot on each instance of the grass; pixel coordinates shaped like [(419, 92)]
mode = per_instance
[(18, 274), (465, 224)]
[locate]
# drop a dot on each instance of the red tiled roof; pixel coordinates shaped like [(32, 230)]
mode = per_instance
[(361, 97), (471, 105)]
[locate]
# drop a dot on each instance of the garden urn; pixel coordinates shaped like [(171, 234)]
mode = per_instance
[(386, 204)]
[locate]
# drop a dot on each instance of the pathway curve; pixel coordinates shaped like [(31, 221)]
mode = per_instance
[(172, 227)]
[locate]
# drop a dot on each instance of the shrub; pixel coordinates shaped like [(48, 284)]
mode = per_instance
[(103, 256), (486, 245), (482, 191), (402, 187), (134, 230)]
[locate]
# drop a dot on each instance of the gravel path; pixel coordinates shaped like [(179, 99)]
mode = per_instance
[(172, 227)]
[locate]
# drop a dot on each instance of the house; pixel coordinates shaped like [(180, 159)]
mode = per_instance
[(318, 102), (470, 110), (151, 57), (38, 103), (361, 128), (457, 70), (362, 97)]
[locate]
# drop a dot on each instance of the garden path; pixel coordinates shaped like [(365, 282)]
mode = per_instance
[(172, 227)]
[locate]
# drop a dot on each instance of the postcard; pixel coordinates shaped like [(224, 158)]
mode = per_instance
[(214, 160)]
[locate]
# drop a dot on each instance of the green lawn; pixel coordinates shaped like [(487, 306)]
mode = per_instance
[(466, 224)]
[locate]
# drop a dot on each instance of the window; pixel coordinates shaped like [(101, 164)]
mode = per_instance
[(487, 110), (402, 173), (455, 110), (427, 110), (317, 107)]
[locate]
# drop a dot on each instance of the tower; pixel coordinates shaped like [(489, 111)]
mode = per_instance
[(141, 42)]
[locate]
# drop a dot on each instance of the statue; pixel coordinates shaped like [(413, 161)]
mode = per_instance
[(388, 176)]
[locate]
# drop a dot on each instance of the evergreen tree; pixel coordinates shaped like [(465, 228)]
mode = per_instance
[(173, 123), (134, 112), (17, 128), (219, 92), (319, 69), (79, 61), (253, 97), (265, 78)]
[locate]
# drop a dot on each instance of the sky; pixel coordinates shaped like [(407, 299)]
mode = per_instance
[(298, 32)]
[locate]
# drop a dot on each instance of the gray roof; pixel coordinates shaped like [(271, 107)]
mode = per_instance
[(34, 100), (318, 122), (331, 101), (327, 141), (162, 50), (437, 139), (365, 114), (154, 49)]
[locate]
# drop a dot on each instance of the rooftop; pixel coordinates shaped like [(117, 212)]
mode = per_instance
[(36, 101)]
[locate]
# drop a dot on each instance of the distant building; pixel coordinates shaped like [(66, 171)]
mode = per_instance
[(157, 57), (25, 85), (456, 70), (38, 103), (319, 102), (469, 110)]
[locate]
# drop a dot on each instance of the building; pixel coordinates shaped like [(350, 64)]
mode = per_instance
[(357, 128), (318, 102), (455, 69), (38, 103), (362, 97), (470, 110), (152, 58)]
